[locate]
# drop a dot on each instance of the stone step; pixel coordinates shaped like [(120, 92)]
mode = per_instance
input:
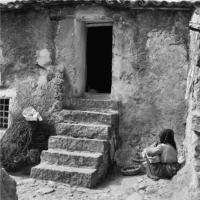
[(90, 131), (92, 104), (84, 177), (78, 144), (78, 116), (72, 159)]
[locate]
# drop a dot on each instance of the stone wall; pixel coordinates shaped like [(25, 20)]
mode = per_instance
[(8, 189), (188, 178), (192, 141), (150, 63), (30, 74), (149, 66)]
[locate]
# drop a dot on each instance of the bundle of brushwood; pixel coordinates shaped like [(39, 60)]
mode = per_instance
[(22, 144)]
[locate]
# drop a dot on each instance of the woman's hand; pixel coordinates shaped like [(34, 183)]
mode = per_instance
[(154, 159)]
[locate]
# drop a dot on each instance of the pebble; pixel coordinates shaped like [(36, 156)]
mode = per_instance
[(45, 190), (61, 187), (52, 184), (106, 190), (83, 190), (150, 190), (142, 191), (142, 187)]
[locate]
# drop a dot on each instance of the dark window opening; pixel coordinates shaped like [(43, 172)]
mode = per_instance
[(4, 113), (99, 59)]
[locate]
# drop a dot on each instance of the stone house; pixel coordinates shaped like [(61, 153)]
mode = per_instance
[(130, 65)]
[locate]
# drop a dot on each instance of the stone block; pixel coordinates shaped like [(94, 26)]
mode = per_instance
[(83, 177), (78, 116), (7, 186), (72, 159), (78, 144), (89, 131), (102, 170)]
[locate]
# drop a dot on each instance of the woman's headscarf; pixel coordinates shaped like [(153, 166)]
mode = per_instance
[(167, 137)]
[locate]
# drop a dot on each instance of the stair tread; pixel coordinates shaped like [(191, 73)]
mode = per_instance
[(80, 116), (113, 112), (85, 130), (82, 139), (65, 168), (86, 124), (103, 96), (78, 144), (95, 99), (75, 153)]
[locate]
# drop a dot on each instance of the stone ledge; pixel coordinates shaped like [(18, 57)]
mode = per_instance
[(77, 116), (90, 131), (78, 144), (87, 104), (74, 176), (72, 159)]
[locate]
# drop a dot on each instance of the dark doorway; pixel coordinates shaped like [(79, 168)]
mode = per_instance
[(99, 59)]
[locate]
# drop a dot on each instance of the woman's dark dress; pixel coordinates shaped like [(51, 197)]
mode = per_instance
[(168, 166)]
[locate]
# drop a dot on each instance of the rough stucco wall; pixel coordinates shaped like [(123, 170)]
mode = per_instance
[(150, 62), (188, 179), (65, 49), (27, 62), (192, 141)]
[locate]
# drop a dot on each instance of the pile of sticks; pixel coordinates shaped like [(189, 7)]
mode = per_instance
[(22, 144)]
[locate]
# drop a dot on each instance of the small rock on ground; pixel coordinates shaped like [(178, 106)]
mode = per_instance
[(45, 190), (135, 196)]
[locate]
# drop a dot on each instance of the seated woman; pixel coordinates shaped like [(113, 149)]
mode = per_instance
[(162, 158)]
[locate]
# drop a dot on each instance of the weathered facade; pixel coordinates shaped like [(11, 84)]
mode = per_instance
[(43, 64)]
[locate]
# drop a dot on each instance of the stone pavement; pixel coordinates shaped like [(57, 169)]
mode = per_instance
[(114, 187)]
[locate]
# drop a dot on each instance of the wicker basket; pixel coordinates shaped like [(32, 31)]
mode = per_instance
[(131, 171)]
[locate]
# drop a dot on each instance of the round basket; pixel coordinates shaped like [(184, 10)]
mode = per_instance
[(131, 171)]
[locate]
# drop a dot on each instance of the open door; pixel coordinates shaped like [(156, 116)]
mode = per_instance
[(99, 58)]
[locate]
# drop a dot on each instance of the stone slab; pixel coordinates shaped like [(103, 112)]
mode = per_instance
[(74, 176), (89, 131), (72, 159), (78, 144), (8, 186), (78, 116), (88, 104)]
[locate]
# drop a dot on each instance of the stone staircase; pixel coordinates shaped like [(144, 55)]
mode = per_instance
[(83, 149)]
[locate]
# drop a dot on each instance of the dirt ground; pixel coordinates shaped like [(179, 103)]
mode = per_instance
[(114, 187)]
